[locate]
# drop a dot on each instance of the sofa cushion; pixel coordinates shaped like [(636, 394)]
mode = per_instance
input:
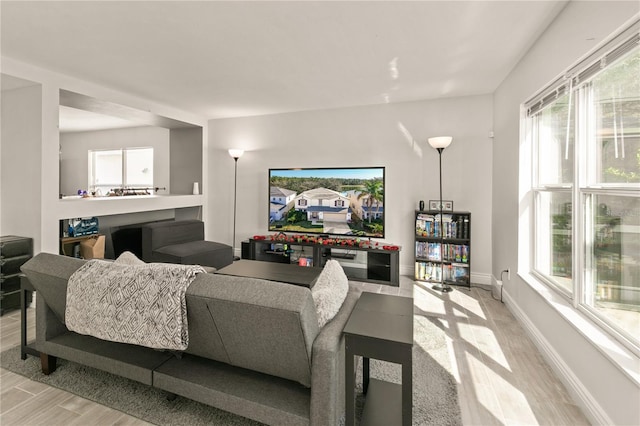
[(128, 258), (261, 325), (206, 253), (329, 291)]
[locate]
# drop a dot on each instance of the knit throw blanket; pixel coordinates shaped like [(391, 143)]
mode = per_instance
[(141, 304)]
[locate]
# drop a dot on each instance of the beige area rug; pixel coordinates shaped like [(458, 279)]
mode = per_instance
[(435, 398)]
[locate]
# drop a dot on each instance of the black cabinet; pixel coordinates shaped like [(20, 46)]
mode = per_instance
[(370, 262), (14, 252), (454, 261)]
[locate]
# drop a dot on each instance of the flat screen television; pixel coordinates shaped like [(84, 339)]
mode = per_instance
[(345, 201)]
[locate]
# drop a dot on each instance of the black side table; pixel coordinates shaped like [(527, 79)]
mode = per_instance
[(380, 327)]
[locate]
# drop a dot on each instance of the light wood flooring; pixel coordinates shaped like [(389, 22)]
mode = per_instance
[(502, 378)]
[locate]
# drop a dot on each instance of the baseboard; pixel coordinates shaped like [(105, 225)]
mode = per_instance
[(482, 280), (592, 410), (496, 288)]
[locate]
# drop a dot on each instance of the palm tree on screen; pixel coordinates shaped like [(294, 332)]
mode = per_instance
[(373, 193)]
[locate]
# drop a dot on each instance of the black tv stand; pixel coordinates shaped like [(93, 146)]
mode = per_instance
[(370, 264)]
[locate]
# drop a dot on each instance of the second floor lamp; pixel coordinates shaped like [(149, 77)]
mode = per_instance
[(235, 154), (440, 143)]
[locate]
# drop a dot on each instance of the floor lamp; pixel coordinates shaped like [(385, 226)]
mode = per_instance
[(440, 143), (235, 154)]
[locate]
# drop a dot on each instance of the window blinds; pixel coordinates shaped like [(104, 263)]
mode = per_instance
[(622, 44)]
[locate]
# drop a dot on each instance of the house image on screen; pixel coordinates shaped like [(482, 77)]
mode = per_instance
[(280, 202), (361, 208), (324, 205)]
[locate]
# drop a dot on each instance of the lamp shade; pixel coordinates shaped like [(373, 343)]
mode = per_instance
[(236, 153), (440, 141)]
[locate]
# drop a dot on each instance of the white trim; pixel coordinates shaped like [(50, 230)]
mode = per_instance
[(588, 403), (617, 353), (480, 278)]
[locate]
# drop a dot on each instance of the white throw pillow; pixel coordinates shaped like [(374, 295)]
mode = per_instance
[(128, 258), (329, 291)]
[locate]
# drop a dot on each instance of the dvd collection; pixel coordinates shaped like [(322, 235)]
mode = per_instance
[(453, 262), (452, 252), (429, 271), (454, 226)]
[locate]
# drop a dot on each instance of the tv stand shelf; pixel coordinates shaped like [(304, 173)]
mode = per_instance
[(343, 255), (370, 264)]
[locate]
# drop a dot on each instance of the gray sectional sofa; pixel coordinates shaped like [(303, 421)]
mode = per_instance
[(255, 348)]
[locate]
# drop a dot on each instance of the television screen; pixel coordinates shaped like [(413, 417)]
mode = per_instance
[(336, 201)]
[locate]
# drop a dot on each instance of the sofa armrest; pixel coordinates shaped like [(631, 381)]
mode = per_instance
[(327, 369), (48, 274)]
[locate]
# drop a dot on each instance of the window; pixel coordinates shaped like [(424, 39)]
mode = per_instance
[(585, 134), (553, 128), (120, 168)]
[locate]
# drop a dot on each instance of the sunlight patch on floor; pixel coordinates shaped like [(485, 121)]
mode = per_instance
[(455, 372), (427, 303), (496, 390), (488, 345), (460, 313), (518, 409), (470, 304)]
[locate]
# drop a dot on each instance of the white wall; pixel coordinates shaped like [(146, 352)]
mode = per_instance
[(20, 159), (51, 209), (392, 135), (605, 393), (186, 160), (74, 160)]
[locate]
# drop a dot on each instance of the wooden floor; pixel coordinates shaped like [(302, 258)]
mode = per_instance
[(25, 402), (502, 378)]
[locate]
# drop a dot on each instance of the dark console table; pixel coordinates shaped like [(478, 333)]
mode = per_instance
[(360, 263), (380, 327), (26, 289), (291, 274)]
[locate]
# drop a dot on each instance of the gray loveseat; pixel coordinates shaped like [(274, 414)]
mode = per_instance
[(255, 348)]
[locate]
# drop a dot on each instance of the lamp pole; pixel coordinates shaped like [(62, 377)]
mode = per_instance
[(235, 154), (440, 143)]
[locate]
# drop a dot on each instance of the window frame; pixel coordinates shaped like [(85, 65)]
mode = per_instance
[(123, 160), (576, 80)]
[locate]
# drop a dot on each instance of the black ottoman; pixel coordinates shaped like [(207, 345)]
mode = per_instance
[(205, 253), (183, 242)]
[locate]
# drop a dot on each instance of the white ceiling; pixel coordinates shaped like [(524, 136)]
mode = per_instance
[(8, 82), (78, 120), (235, 58)]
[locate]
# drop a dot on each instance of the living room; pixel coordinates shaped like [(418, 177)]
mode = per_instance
[(481, 169)]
